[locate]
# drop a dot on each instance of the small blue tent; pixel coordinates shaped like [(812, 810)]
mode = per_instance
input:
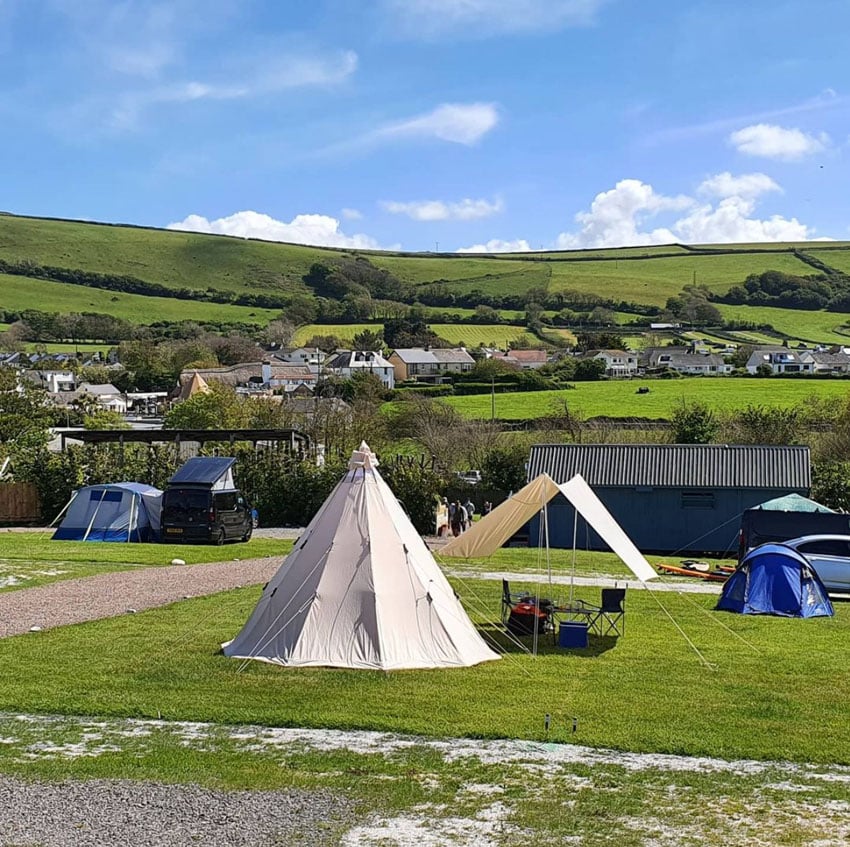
[(775, 580), (123, 511)]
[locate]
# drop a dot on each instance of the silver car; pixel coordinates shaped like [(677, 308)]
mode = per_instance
[(829, 555)]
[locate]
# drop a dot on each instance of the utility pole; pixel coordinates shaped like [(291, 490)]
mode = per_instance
[(492, 397), (436, 246)]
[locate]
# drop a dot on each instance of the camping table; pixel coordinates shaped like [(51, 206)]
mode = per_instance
[(574, 611)]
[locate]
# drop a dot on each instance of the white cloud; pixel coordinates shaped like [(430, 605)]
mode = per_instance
[(617, 217), (495, 245), (460, 123), (480, 18), (316, 230), (437, 210), (352, 214), (285, 72), (745, 185), (776, 142)]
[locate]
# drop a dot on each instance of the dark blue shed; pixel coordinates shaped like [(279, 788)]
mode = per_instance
[(669, 498), (775, 580)]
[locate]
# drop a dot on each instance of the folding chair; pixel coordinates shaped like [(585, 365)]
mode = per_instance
[(509, 600), (611, 615)]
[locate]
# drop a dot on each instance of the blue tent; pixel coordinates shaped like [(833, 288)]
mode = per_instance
[(775, 580), (123, 511)]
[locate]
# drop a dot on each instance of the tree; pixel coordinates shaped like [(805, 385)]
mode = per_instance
[(279, 332), (218, 408), (368, 339), (589, 370), (694, 423), (409, 332)]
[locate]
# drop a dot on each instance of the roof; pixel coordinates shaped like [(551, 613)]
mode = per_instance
[(529, 355), (792, 503), (449, 355), (99, 390), (675, 465), (357, 359), (202, 470), (415, 356)]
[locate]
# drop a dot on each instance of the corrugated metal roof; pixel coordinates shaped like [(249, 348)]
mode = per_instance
[(675, 465)]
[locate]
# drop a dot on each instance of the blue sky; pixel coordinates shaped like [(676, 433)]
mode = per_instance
[(432, 124)]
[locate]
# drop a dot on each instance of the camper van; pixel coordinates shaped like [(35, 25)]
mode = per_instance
[(202, 504)]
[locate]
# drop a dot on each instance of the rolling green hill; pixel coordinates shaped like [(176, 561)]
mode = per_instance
[(220, 266)]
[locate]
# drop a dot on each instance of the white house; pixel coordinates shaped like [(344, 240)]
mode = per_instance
[(347, 363), (617, 362), (686, 361), (781, 360)]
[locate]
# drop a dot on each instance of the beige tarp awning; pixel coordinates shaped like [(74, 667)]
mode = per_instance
[(486, 536), (492, 531)]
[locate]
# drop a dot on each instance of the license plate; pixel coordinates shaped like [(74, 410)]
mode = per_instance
[(174, 530)]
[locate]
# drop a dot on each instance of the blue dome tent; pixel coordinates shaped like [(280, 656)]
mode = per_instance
[(775, 580), (121, 511)]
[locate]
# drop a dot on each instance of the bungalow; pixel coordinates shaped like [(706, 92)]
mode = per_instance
[(685, 361), (107, 396), (312, 356), (781, 360), (528, 359), (832, 363)]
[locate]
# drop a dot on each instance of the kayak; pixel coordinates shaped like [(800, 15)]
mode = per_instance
[(719, 575)]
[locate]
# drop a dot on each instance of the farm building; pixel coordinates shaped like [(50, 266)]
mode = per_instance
[(669, 498)]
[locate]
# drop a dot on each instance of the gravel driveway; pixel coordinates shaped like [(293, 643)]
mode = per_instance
[(107, 595)]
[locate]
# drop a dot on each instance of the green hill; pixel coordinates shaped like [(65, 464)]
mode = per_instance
[(153, 274)]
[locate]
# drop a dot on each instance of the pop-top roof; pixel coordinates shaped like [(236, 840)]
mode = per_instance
[(202, 470)]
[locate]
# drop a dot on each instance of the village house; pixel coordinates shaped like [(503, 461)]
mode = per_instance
[(684, 360), (781, 360), (346, 363), (618, 363), (253, 377), (432, 366)]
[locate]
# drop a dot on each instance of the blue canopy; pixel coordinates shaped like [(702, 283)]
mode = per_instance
[(775, 580)]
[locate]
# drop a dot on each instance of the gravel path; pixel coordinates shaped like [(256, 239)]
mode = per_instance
[(107, 595), (137, 814)]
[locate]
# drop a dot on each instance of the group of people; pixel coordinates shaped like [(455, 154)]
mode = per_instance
[(461, 514)]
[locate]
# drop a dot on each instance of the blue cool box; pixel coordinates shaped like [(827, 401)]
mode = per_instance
[(572, 635)]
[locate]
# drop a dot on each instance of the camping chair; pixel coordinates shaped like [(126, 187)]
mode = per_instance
[(509, 600), (611, 615)]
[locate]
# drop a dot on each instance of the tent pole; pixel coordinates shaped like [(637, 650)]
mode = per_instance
[(64, 509), (575, 532), (130, 519), (96, 509)]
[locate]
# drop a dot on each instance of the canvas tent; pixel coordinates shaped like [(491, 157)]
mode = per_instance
[(360, 589), (775, 580), (121, 511), (493, 530)]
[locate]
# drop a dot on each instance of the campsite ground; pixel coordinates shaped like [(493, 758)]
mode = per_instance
[(705, 711)]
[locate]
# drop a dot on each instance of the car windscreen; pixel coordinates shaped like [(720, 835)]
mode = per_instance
[(180, 503)]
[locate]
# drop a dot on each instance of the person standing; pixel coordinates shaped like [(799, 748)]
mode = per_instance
[(470, 510), (464, 517), (455, 518), (486, 508)]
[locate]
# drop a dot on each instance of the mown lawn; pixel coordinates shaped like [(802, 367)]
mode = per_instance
[(28, 559), (619, 398), (21, 292), (758, 691), (471, 335)]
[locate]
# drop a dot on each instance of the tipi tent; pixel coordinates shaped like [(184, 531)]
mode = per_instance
[(360, 590), (123, 511), (775, 580), (493, 530)]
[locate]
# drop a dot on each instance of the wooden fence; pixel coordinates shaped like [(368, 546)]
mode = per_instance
[(19, 503)]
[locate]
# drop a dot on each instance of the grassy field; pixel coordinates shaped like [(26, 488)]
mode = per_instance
[(618, 398), (807, 326), (68, 347), (147, 665), (19, 292), (471, 335), (28, 559)]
